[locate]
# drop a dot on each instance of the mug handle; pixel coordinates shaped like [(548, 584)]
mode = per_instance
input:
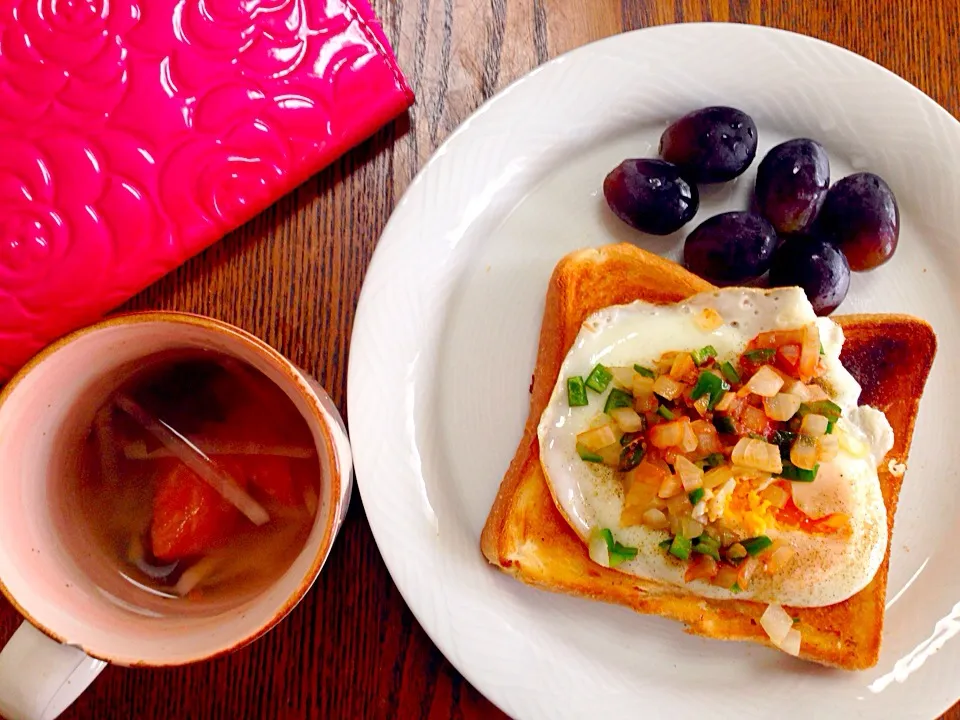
[(39, 677)]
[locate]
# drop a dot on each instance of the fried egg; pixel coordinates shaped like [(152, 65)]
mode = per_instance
[(826, 568)]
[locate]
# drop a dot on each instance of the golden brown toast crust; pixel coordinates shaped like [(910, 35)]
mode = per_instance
[(526, 536)]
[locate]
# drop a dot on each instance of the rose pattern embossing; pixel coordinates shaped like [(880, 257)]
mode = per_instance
[(136, 134), (214, 177), (63, 57), (269, 38), (59, 213)]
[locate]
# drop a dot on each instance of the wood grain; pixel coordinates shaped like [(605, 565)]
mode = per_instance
[(292, 276)]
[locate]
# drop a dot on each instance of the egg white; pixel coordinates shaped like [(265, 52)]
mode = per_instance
[(825, 570)]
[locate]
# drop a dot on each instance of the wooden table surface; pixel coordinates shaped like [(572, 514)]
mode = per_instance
[(292, 276)]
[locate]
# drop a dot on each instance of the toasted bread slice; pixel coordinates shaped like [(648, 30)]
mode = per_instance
[(526, 536)]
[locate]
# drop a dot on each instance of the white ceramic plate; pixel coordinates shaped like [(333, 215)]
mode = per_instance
[(446, 334)]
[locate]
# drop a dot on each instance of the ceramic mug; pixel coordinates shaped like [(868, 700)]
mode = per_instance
[(73, 630)]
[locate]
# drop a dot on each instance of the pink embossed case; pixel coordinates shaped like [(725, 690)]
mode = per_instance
[(134, 133)]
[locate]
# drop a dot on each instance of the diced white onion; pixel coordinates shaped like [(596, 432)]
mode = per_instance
[(597, 438), (610, 455), (642, 385), (747, 568), (814, 425), (765, 383), (816, 393), (795, 387), (690, 528), (670, 486), (667, 388), (682, 365), (725, 402), (809, 351), (627, 419), (655, 519), (717, 476), (690, 475), (803, 453), (791, 643), (666, 435), (702, 404), (781, 406), (776, 622), (599, 552), (623, 376), (754, 453), (689, 440), (776, 496), (679, 505)]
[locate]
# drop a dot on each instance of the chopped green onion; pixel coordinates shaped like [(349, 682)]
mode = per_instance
[(730, 372), (756, 545), (631, 456), (680, 547), (646, 372), (713, 460), (735, 588), (618, 399), (665, 544), (792, 472), (709, 384), (829, 409), (830, 426), (724, 425), (618, 553), (588, 455), (576, 391), (706, 545), (822, 351), (761, 355), (599, 378), (796, 620), (664, 412), (696, 495), (703, 354)]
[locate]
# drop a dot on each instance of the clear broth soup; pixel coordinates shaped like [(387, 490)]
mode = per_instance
[(199, 481)]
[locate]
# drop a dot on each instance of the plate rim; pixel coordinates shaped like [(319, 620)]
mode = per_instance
[(443, 639)]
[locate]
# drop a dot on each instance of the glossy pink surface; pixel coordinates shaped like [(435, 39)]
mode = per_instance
[(134, 133)]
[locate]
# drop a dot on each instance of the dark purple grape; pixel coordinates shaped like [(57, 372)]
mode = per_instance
[(730, 248), (711, 145), (860, 216), (792, 182), (651, 196), (816, 266)]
